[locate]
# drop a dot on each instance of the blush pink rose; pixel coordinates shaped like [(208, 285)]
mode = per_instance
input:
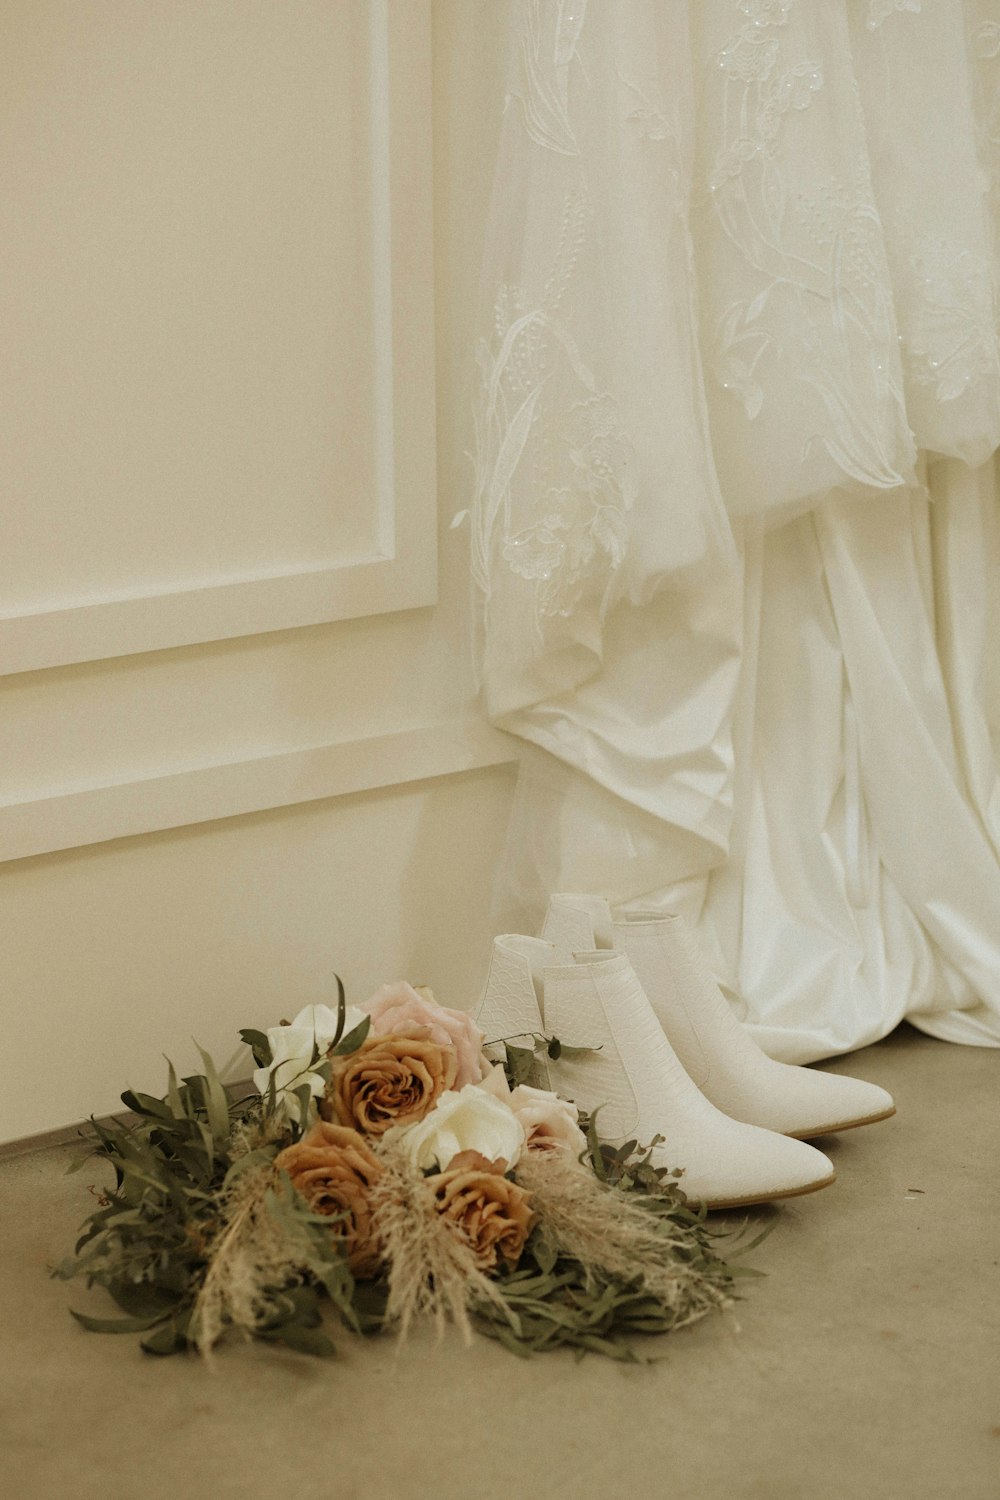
[(495, 1083), (400, 1009), (549, 1122)]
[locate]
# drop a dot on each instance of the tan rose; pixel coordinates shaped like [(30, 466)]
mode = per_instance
[(334, 1168), (475, 1161), (389, 1080), (492, 1214)]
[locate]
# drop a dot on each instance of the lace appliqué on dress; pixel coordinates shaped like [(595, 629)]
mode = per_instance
[(547, 37), (951, 343), (548, 438), (584, 530), (808, 250), (554, 467), (985, 48), (881, 10)]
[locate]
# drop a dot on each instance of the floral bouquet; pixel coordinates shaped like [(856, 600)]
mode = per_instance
[(383, 1162)]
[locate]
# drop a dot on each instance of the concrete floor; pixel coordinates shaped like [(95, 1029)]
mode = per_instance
[(866, 1364)]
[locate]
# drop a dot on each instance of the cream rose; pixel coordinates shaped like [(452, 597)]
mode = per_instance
[(292, 1050), (467, 1119), (399, 1009)]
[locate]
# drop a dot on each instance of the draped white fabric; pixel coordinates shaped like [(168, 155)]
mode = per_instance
[(735, 524)]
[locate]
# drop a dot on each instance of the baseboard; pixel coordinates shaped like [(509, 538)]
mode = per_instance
[(74, 1135)]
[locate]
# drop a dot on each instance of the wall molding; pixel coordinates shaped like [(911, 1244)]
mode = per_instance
[(94, 815), (212, 612), (401, 570)]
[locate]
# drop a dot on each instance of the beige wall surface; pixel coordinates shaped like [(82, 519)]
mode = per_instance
[(239, 741)]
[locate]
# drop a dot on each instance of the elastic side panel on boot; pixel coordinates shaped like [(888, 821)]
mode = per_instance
[(575, 1012), (668, 975), (510, 1006), (567, 926)]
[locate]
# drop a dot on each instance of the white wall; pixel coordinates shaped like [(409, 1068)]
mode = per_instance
[(239, 746)]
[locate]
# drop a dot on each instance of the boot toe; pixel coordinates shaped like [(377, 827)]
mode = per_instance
[(746, 1165), (830, 1102)]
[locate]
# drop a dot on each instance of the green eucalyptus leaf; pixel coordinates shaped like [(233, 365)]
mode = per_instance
[(758, 1239), (216, 1100), (368, 1305), (303, 1097), (259, 1045), (116, 1325), (520, 1063), (173, 1096), (510, 1340), (145, 1104), (594, 1146), (352, 1041), (305, 1340), (140, 1300), (341, 1011), (167, 1340)]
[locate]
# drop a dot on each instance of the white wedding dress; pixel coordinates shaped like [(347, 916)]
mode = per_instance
[(735, 523)]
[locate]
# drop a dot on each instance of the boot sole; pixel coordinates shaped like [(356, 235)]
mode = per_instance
[(808, 1135), (715, 1204)]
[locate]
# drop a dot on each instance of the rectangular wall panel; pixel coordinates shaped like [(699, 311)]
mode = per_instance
[(216, 411)]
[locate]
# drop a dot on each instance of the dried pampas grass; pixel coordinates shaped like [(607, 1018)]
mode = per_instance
[(432, 1270), (618, 1235), (257, 1251)]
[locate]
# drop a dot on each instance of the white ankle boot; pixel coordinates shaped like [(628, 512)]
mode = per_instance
[(635, 1079), (718, 1054)]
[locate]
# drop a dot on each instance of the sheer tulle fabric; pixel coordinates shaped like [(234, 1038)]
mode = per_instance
[(735, 522)]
